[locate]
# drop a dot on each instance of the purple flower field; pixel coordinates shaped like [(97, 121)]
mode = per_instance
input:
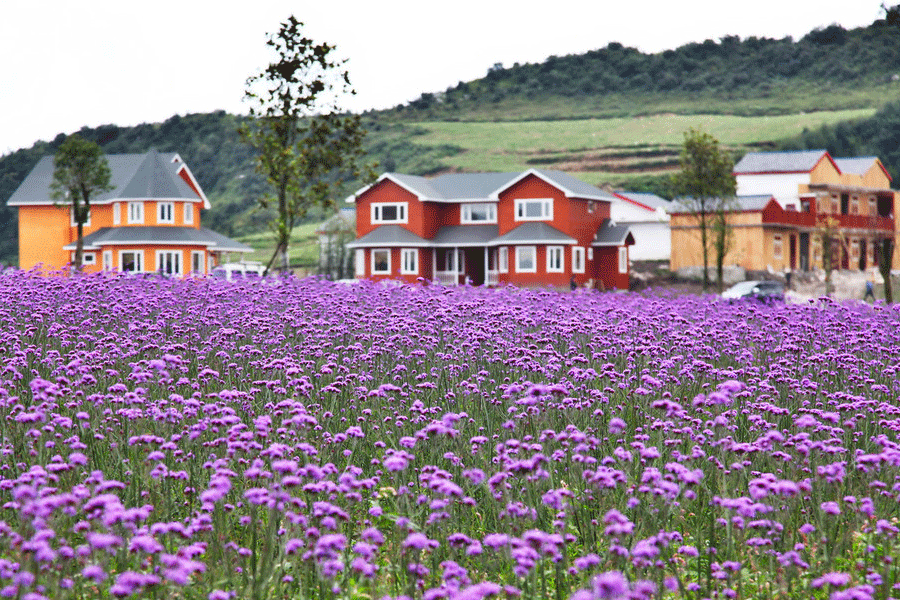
[(200, 439)]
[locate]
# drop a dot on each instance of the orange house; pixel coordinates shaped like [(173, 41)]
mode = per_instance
[(534, 228), (148, 222)]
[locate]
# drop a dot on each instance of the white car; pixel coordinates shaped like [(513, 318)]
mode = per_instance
[(238, 271)]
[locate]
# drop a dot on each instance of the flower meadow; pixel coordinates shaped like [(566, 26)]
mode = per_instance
[(200, 439)]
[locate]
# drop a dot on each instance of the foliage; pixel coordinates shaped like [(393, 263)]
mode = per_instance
[(80, 171), (306, 149), (284, 438), (705, 184)]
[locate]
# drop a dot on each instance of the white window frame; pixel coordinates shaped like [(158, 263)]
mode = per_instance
[(139, 260), (466, 212), (87, 258), (378, 212), (165, 213), (556, 259), (372, 253), (503, 259), (87, 222), (777, 246), (135, 213), (577, 259), (117, 213), (188, 213), (107, 260), (623, 259), (590, 255), (360, 266), (179, 259), (409, 261), (520, 254), (195, 256), (546, 209)]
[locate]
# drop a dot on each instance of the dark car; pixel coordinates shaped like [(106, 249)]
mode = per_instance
[(755, 290)]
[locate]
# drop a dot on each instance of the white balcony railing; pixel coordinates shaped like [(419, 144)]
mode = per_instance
[(492, 278), (447, 277)]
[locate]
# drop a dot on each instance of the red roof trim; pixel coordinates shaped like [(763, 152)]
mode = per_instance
[(635, 202)]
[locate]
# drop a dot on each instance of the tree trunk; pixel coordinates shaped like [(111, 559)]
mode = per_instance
[(705, 247), (79, 246), (885, 250)]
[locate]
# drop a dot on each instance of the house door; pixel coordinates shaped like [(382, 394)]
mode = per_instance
[(793, 250), (804, 252), (474, 262)]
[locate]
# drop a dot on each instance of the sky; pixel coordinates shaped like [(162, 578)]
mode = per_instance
[(68, 64)]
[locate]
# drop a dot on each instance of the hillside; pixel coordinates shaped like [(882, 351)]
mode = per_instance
[(611, 116)]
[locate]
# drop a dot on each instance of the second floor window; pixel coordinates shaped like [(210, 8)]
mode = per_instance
[(117, 213), (479, 213), (389, 212), (165, 212), (534, 209), (188, 213), (135, 212)]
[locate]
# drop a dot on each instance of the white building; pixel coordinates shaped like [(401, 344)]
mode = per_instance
[(645, 215)]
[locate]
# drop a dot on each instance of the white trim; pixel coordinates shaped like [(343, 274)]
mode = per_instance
[(503, 259), (465, 213), (402, 212), (194, 255), (495, 195), (117, 213), (177, 254), (203, 198), (135, 220), (519, 251), (372, 261), (161, 205), (188, 214), (409, 261), (556, 254), (139, 255), (546, 209), (107, 260), (87, 258), (359, 266), (578, 259), (590, 253), (566, 242), (623, 259), (107, 201)]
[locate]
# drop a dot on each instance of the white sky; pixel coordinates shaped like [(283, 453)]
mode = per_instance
[(70, 63)]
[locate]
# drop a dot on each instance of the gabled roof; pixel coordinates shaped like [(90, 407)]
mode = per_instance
[(160, 235), (802, 161), (533, 233), (461, 187), (860, 165), (644, 200), (611, 234), (148, 176), (389, 236)]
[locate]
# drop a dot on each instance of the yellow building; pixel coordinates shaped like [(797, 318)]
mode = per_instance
[(784, 202), (148, 222)]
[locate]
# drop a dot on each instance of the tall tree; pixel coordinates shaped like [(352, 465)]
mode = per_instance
[(307, 149), (884, 251), (706, 186), (80, 172)]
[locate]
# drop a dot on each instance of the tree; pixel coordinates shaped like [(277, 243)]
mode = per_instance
[(307, 149), (80, 171), (706, 186), (884, 252)]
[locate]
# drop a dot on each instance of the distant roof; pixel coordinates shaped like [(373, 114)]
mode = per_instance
[(645, 199), (860, 165), (149, 176), (744, 203), (389, 236), (456, 187), (801, 161), (159, 234), (533, 233), (611, 234)]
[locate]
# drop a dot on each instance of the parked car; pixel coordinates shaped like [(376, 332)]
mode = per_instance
[(236, 271), (755, 290)]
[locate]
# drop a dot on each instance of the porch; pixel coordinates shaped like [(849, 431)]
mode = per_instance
[(457, 266)]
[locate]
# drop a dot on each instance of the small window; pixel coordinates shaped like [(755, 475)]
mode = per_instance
[(188, 213), (526, 259), (623, 259), (534, 209), (854, 205), (135, 213), (131, 261), (389, 212), (117, 213), (479, 213), (777, 247), (577, 259), (197, 261), (165, 212), (555, 259), (89, 258), (381, 262), (503, 259), (409, 261), (873, 206)]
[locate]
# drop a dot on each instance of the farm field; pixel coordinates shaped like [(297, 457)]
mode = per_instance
[(301, 439)]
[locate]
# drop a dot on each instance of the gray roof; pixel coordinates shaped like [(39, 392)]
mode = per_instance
[(645, 198), (742, 203), (152, 175), (465, 235), (455, 187), (779, 162), (533, 233), (161, 235), (611, 234), (857, 165), (389, 236)]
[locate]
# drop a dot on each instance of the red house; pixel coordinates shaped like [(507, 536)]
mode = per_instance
[(534, 228)]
